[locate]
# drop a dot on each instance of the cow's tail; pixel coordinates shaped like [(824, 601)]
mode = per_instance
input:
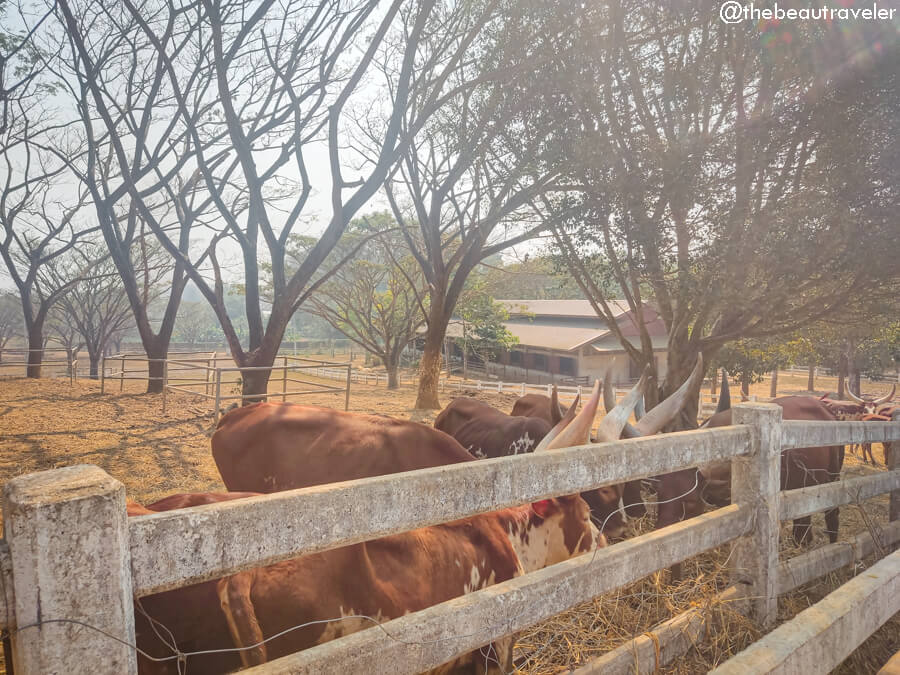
[(234, 597)]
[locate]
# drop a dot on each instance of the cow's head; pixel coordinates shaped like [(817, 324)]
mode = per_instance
[(560, 529), (870, 405)]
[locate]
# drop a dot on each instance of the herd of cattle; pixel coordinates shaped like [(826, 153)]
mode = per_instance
[(251, 617)]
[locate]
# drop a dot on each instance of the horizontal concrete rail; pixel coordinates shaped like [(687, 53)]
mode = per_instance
[(426, 639), (670, 640), (801, 569), (673, 638), (178, 548), (816, 498), (819, 638), (796, 434)]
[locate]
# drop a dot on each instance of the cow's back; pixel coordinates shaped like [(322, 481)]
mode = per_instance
[(269, 447)]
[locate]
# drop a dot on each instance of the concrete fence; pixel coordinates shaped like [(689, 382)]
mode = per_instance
[(72, 559)]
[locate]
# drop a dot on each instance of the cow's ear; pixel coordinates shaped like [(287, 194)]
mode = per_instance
[(543, 508)]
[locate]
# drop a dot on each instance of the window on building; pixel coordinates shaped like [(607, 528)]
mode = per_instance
[(515, 358), (539, 361), (566, 365)]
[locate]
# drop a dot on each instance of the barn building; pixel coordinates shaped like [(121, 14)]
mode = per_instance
[(562, 340)]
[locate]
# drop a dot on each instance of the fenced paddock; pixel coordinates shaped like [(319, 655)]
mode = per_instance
[(202, 374), (55, 362), (72, 558)]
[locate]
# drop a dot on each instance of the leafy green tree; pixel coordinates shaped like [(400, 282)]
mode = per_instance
[(378, 298), (751, 359), (484, 334)]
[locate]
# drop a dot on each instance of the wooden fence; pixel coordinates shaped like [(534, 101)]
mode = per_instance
[(73, 559)]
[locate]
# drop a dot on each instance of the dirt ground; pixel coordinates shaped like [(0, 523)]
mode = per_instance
[(49, 423)]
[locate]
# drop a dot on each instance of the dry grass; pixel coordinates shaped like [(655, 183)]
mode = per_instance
[(46, 424)]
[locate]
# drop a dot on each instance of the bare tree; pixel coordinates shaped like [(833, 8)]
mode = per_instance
[(135, 162), (10, 319), (376, 298), (724, 177), (95, 308), (38, 217), (468, 175), (255, 91)]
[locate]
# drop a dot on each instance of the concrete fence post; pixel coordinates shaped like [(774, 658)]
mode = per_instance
[(756, 482), (892, 459), (67, 533)]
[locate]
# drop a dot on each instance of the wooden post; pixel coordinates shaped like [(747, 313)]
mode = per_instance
[(756, 481), (68, 540), (284, 381), (102, 374), (218, 395), (347, 396), (122, 374), (892, 459)]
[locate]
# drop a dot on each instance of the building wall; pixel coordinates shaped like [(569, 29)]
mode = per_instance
[(595, 365)]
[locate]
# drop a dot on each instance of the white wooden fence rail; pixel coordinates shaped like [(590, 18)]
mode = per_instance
[(68, 539)]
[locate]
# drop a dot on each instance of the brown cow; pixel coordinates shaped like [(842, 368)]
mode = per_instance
[(800, 467), (383, 579), (537, 405), (268, 447), (487, 432)]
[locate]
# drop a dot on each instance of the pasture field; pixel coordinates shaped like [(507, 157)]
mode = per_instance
[(48, 423)]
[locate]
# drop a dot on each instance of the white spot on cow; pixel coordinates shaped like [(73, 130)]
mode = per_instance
[(523, 445), (478, 452), (622, 510), (476, 583), (350, 622)]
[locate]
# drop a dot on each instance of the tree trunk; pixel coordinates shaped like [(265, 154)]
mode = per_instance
[(430, 371), (157, 352), (745, 384), (94, 359), (255, 383), (842, 376), (855, 385), (680, 364), (35, 348), (811, 381), (773, 390), (714, 382), (392, 366)]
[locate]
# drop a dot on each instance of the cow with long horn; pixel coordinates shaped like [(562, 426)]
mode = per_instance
[(543, 407), (650, 423)]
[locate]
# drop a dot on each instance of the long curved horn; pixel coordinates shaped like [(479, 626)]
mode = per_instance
[(855, 398), (609, 402), (556, 413), (724, 394), (612, 425), (885, 399), (667, 410), (579, 431), (639, 409), (559, 426)]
